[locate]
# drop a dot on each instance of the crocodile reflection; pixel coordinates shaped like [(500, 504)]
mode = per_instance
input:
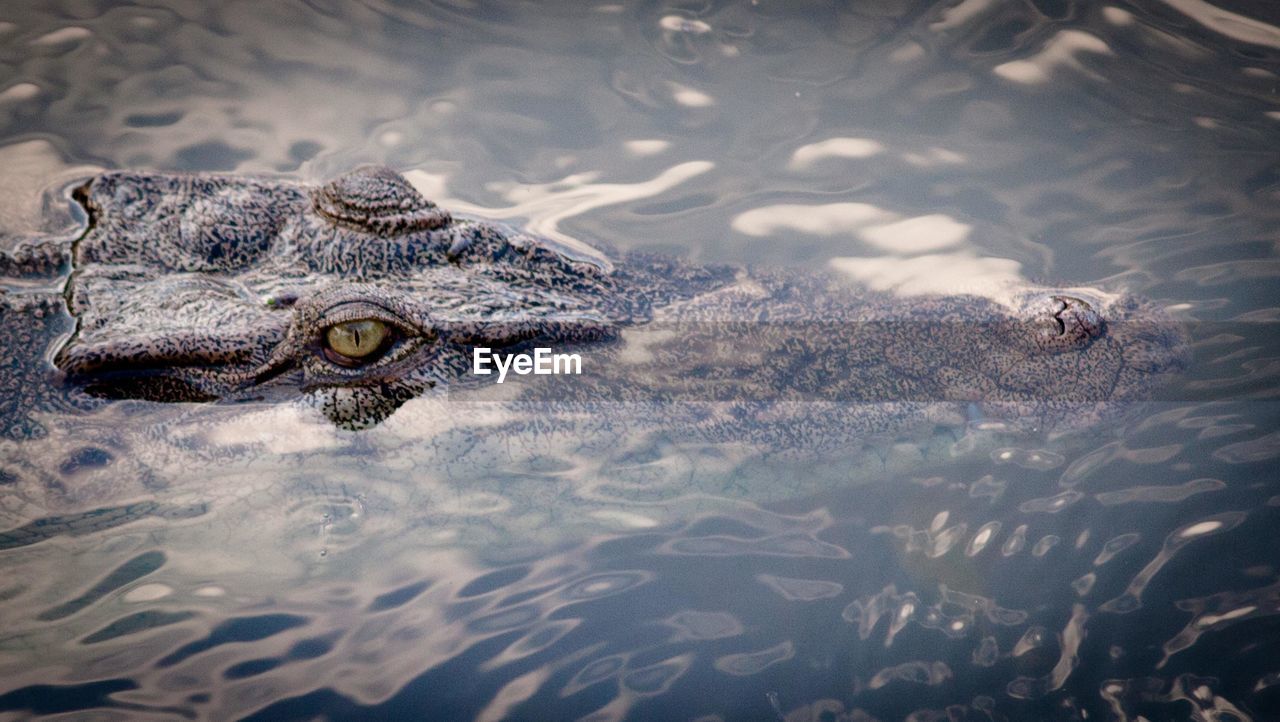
[(361, 294), (1038, 590)]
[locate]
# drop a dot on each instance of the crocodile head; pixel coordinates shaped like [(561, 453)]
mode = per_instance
[(361, 293)]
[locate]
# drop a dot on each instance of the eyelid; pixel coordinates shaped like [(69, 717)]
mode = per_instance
[(365, 311)]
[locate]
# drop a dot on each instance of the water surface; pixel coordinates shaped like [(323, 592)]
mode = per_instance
[(253, 562)]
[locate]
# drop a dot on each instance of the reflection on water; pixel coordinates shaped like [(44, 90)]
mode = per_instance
[(255, 562), (900, 593)]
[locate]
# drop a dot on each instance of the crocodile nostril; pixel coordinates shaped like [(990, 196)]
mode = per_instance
[(1071, 324), (1051, 326), (1076, 312)]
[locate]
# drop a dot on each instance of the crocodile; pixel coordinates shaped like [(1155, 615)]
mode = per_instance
[(363, 300), (359, 294)]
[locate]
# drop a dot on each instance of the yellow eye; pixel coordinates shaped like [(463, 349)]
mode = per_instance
[(357, 339)]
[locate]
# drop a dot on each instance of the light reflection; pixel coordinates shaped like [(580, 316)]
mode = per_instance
[(961, 14), (691, 98), (934, 273), (546, 205), (279, 429), (935, 157), (642, 148), (807, 155), (801, 590), (19, 92), (749, 663), (1060, 51), (980, 540), (31, 169), (826, 219), (1131, 599), (63, 35), (921, 234)]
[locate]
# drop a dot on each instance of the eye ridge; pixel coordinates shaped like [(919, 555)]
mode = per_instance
[(361, 310)]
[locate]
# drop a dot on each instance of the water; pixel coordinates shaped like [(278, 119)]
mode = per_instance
[(254, 562)]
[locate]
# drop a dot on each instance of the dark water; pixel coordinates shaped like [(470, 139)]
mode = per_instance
[(253, 562)]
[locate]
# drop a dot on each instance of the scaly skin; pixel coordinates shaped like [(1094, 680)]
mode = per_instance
[(195, 288)]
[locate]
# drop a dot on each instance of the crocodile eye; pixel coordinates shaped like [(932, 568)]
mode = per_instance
[(355, 342)]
